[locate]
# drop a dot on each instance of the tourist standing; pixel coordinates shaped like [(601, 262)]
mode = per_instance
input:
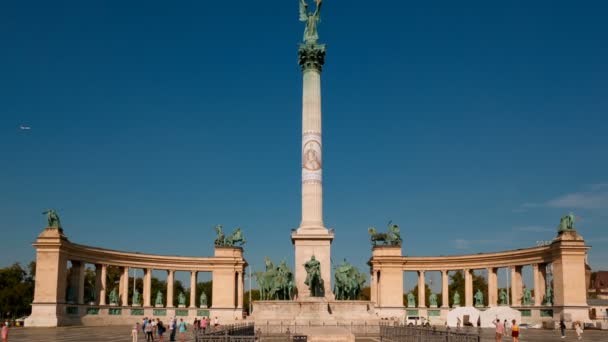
[(148, 331), (578, 327), (500, 330), (216, 322), (195, 327), (514, 331), (153, 322), (5, 332), (204, 324), (134, 332), (161, 329), (182, 330), (173, 329), (562, 327)]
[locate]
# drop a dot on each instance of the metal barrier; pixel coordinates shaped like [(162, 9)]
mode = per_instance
[(402, 333)]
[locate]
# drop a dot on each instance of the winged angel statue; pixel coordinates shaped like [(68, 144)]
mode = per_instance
[(312, 19)]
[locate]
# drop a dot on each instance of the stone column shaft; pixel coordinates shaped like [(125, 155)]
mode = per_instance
[(147, 286), (170, 281), (516, 286), (193, 289), (492, 287), (421, 290), (373, 287), (445, 289), (77, 281), (103, 287), (468, 288), (97, 283), (240, 290), (124, 287)]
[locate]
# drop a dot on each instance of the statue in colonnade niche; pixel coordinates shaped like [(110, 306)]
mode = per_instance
[(159, 299), (527, 298), (203, 300), (566, 223), (456, 299), (391, 238), (313, 277), (478, 298), (549, 296), (135, 298), (411, 300), (52, 218), (433, 300), (502, 297), (181, 299), (113, 296)]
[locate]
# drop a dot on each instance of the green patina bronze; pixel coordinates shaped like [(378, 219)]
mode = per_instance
[(391, 238), (478, 298), (181, 299), (159, 298), (456, 299), (113, 296), (52, 218), (433, 299), (349, 282), (503, 297), (527, 299), (311, 19), (411, 300), (135, 298), (548, 296), (313, 277), (203, 300), (221, 240), (276, 283), (566, 223)]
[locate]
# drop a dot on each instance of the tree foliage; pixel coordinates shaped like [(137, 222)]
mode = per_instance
[(16, 290)]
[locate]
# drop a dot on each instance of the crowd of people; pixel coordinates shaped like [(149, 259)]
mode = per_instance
[(154, 329)]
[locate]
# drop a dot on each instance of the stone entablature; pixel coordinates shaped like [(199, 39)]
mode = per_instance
[(51, 307)]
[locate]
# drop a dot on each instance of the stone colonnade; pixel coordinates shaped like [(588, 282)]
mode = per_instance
[(60, 300), (566, 254)]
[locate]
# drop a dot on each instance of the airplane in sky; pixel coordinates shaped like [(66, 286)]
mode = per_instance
[(24, 127)]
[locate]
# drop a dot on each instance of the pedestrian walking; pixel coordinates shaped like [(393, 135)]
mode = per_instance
[(500, 330), (514, 331), (562, 327), (578, 327), (135, 332), (161, 329), (5, 332), (172, 329), (182, 330)]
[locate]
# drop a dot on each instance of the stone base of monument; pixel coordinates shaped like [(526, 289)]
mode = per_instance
[(136, 305), (327, 334), (159, 306), (313, 311), (203, 306), (181, 306)]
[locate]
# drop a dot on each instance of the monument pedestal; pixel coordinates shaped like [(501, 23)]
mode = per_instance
[(307, 243)]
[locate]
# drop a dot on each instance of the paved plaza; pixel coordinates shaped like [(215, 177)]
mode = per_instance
[(123, 333)]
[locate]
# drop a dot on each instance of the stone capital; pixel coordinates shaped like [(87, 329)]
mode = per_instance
[(311, 56)]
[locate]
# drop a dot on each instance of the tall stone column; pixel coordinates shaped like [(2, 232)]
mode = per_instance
[(468, 288), (147, 286), (103, 285), (516, 286), (421, 290), (492, 287), (240, 290), (170, 281), (193, 289), (542, 283), (445, 289), (124, 287), (77, 282), (312, 238), (373, 287), (97, 283)]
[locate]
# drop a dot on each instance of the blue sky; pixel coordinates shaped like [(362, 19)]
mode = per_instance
[(474, 126)]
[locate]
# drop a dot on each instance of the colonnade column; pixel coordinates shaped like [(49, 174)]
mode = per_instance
[(102, 287), (516, 286), (492, 287), (147, 286), (97, 283), (421, 290), (193, 289), (240, 290), (468, 288), (539, 285), (124, 287), (445, 289), (170, 281), (373, 288)]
